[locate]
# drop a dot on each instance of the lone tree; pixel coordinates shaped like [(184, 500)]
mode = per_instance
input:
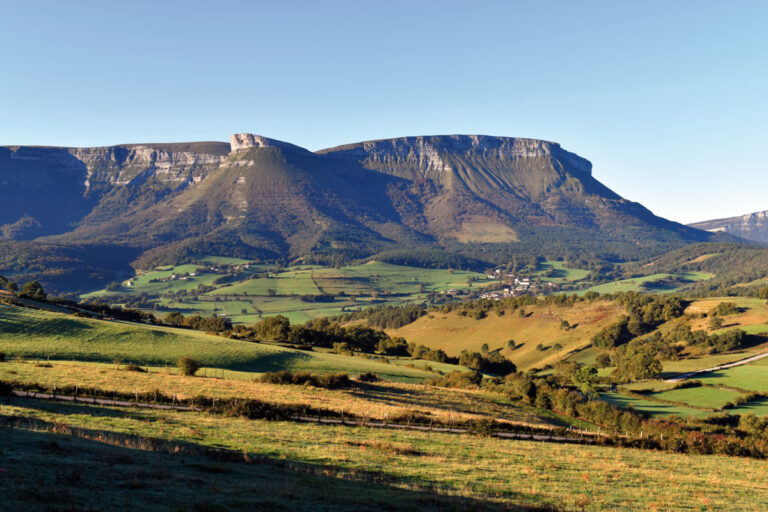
[(485, 349), (558, 347), (188, 366), (511, 344)]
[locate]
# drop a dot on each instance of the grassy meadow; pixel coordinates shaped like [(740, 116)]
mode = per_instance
[(453, 333), (381, 400), (636, 284), (59, 445), (43, 335)]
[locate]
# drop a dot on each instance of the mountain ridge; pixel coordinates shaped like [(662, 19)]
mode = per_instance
[(478, 195), (752, 226)]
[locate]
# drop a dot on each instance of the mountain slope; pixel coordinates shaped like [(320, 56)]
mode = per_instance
[(261, 198), (753, 226)]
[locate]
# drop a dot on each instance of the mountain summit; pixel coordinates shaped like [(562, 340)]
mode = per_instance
[(262, 198)]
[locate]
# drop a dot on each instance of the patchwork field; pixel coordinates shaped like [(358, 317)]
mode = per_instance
[(246, 292)]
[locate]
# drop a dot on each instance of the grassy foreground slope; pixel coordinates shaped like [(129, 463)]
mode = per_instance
[(378, 401), (453, 333), (290, 466), (48, 335)]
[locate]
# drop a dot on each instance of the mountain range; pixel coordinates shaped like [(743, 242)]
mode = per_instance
[(753, 226), (73, 215)]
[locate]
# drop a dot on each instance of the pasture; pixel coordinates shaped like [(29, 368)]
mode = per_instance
[(453, 333), (635, 284), (412, 469), (381, 400), (46, 335)]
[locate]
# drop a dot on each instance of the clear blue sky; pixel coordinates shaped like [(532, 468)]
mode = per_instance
[(666, 98)]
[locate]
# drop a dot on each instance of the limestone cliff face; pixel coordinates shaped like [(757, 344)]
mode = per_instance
[(753, 226), (431, 155)]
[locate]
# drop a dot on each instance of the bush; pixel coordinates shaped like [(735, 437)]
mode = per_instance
[(135, 368), (458, 379), (187, 365), (328, 380), (368, 377), (603, 360)]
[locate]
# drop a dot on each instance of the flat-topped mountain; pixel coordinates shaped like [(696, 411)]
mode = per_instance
[(262, 198), (753, 226)]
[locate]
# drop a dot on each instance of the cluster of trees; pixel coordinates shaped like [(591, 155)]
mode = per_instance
[(646, 312), (30, 290), (491, 362), (320, 332), (385, 317), (213, 324)]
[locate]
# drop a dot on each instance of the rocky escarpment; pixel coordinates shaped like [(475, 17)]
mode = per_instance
[(753, 226), (430, 155)]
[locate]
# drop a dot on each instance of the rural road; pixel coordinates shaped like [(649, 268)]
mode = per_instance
[(748, 360)]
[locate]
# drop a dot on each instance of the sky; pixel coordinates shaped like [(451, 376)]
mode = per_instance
[(667, 99)]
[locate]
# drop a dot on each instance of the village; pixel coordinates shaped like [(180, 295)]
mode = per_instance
[(517, 285)]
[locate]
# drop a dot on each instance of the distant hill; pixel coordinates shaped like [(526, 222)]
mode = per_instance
[(753, 226), (69, 209)]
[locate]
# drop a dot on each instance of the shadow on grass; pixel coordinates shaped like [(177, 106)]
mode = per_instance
[(56, 467)]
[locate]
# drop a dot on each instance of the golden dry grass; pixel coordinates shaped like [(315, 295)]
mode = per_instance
[(454, 333), (375, 401), (567, 477)]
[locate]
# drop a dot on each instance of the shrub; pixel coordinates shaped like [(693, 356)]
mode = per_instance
[(187, 365), (134, 368), (603, 360), (368, 377), (328, 380), (458, 379)]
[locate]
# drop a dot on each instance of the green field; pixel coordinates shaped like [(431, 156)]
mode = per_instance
[(74, 455), (635, 284), (702, 396), (650, 407), (752, 376), (559, 273), (43, 335)]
